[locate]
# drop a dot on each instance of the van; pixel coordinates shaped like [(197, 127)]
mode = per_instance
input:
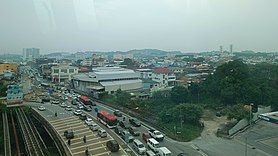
[(139, 147), (153, 144), (163, 151)]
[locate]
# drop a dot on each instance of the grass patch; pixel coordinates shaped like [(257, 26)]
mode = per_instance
[(187, 132)]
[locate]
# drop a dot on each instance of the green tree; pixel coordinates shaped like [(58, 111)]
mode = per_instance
[(122, 98), (237, 112), (179, 94)]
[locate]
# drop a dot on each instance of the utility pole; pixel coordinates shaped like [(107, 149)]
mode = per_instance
[(250, 122)]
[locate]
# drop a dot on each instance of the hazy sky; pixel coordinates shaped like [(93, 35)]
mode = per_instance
[(110, 25)]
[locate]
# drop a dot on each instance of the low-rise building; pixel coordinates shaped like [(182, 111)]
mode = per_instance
[(107, 79), (164, 77), (7, 67), (63, 73)]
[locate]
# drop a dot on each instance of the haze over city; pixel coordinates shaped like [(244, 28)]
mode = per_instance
[(111, 25)]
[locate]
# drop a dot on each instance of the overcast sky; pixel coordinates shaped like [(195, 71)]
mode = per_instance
[(110, 25)]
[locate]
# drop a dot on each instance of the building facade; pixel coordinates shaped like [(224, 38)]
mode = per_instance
[(14, 95), (107, 79), (63, 73), (164, 77), (30, 54)]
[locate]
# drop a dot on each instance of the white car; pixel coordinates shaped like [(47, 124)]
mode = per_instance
[(68, 108), (77, 112), (89, 121), (41, 108), (63, 105), (80, 106)]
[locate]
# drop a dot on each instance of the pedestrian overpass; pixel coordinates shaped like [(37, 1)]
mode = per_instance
[(270, 117)]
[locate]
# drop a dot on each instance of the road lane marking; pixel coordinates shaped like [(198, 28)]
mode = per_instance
[(93, 149), (81, 137), (63, 119), (61, 124), (87, 140), (67, 125), (61, 130), (92, 144), (103, 153), (81, 129), (89, 131)]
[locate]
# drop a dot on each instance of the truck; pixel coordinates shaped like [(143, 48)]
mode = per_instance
[(156, 135)]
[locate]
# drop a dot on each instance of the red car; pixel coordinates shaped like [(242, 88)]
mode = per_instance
[(146, 137)]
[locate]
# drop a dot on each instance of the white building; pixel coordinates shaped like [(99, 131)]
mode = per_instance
[(62, 73), (108, 79), (164, 77), (145, 73), (30, 54), (87, 62), (122, 56)]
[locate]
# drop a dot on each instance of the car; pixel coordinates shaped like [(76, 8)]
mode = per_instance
[(63, 105), (80, 106), (102, 133), (74, 102), (94, 127), (182, 154), (83, 117), (139, 147), (77, 112), (118, 130), (150, 153), (87, 108), (113, 146), (133, 131), (69, 134), (118, 113), (124, 124), (134, 122), (54, 102), (68, 108), (146, 136), (89, 121), (127, 137), (41, 108)]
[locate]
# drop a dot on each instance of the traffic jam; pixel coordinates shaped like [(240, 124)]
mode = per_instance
[(82, 131)]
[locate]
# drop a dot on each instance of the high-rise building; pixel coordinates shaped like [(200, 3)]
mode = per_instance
[(231, 48), (221, 49), (29, 54)]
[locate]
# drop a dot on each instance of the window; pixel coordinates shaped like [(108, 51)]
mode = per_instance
[(71, 70), (64, 70), (56, 70)]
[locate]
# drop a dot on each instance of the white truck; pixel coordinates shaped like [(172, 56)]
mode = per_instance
[(156, 135)]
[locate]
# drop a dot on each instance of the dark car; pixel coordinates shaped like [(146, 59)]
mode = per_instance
[(124, 125), (118, 113), (135, 122), (83, 117), (69, 134), (182, 154), (133, 131), (118, 130), (146, 136), (113, 146), (87, 108)]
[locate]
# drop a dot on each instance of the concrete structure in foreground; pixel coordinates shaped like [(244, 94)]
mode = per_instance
[(107, 79)]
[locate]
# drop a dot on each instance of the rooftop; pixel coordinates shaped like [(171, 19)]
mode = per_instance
[(161, 70)]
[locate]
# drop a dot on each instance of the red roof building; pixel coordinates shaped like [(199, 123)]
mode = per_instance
[(161, 70)]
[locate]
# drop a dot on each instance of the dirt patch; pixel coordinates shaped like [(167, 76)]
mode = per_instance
[(212, 123)]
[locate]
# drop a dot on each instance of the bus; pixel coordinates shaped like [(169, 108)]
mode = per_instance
[(85, 100), (107, 119)]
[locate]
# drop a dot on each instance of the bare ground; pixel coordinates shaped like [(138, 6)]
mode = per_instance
[(212, 123)]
